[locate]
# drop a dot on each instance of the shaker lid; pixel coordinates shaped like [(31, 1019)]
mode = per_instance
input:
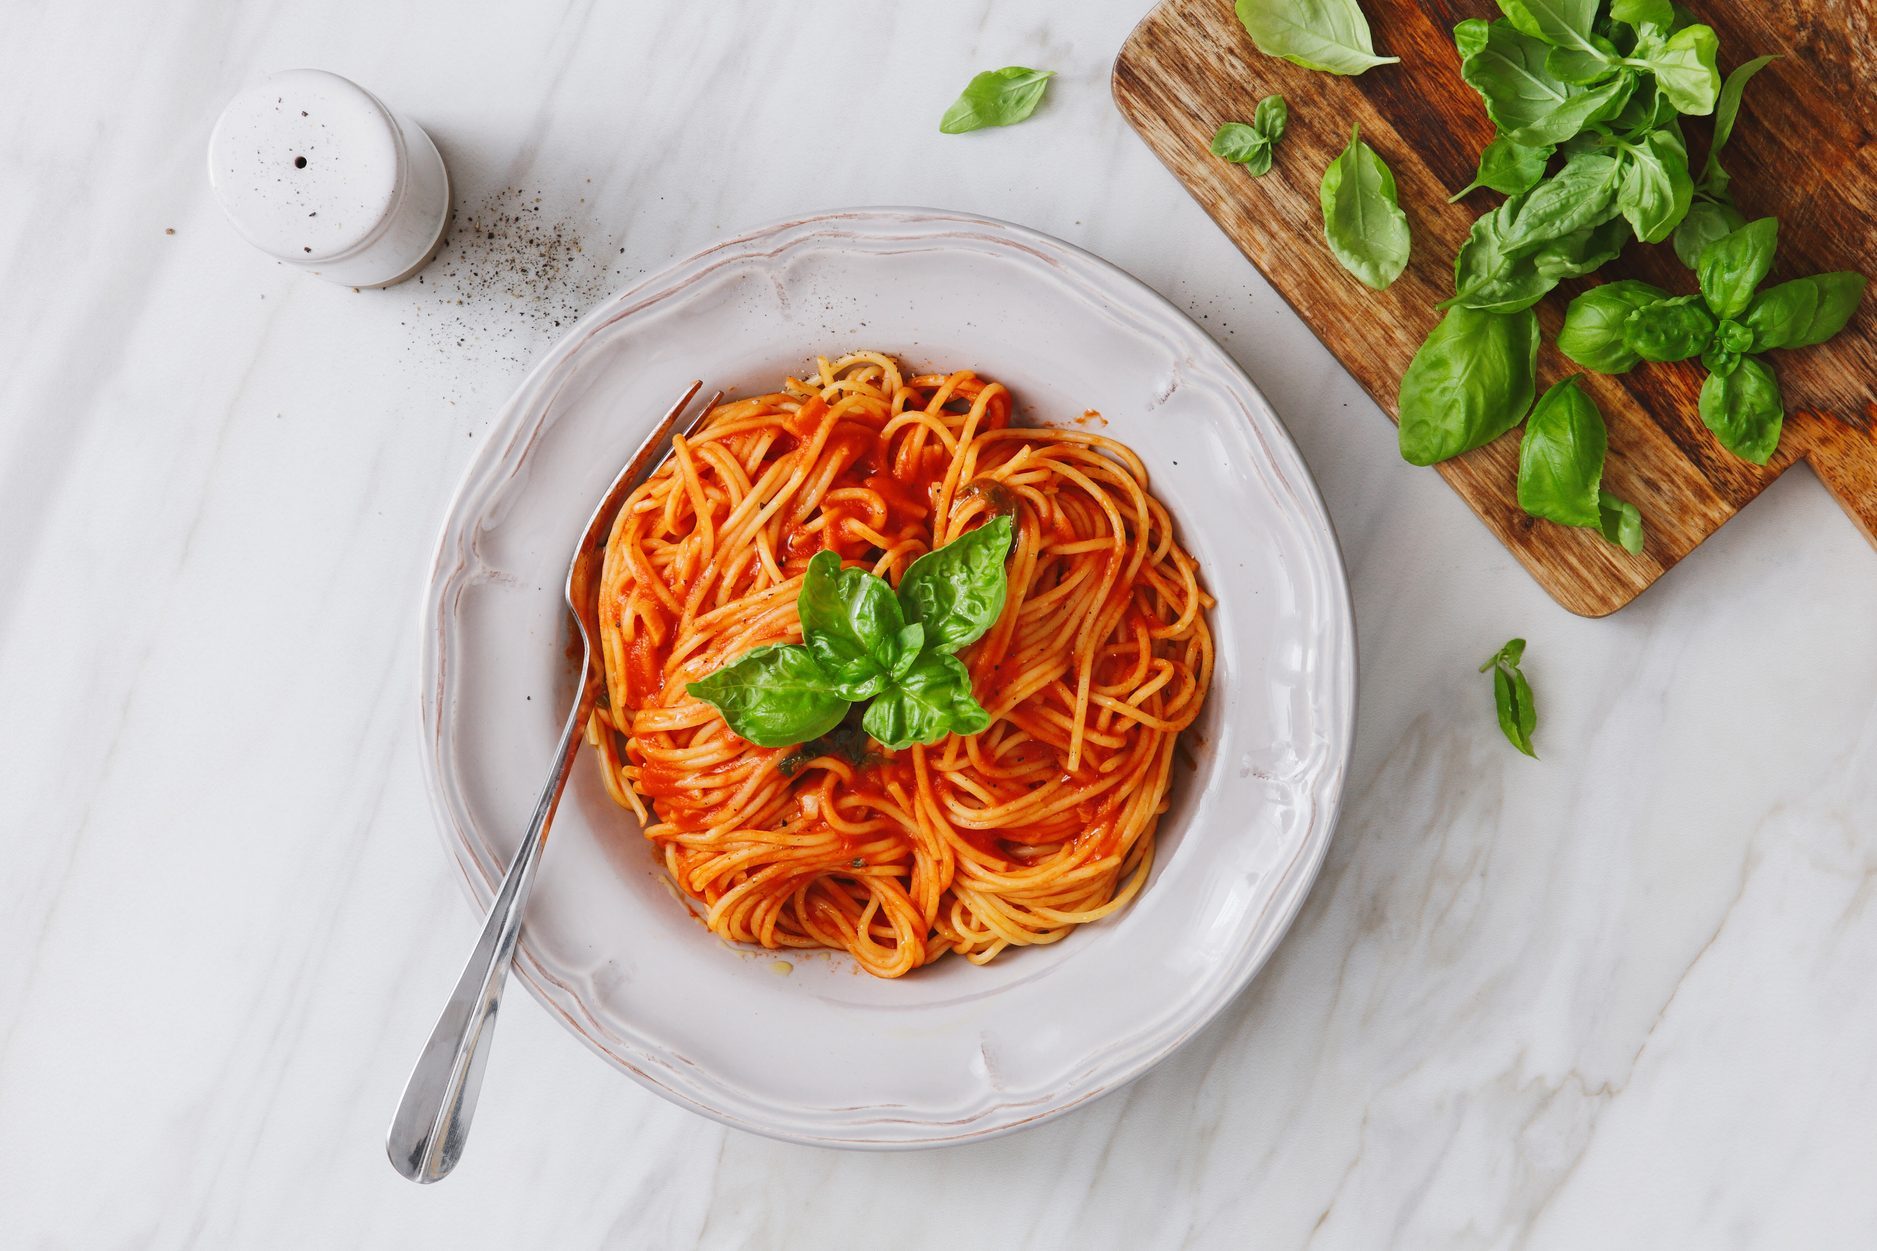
[(307, 165)]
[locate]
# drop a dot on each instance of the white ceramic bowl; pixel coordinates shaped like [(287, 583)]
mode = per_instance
[(823, 1053)]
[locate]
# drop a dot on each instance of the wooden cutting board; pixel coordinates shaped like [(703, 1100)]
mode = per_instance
[(1804, 149)]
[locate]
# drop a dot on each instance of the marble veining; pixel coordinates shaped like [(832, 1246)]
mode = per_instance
[(1617, 996)]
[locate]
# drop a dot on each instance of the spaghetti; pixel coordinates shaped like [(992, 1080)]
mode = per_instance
[(1009, 837)]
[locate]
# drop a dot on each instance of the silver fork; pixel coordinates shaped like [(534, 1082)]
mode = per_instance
[(432, 1122)]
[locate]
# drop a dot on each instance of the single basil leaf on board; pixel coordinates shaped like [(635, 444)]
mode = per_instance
[(999, 97), (1804, 311), (775, 696), (1243, 145), (932, 700), (1669, 330), (1643, 12), (1512, 696), (1726, 110), (1684, 68), (1744, 410), (1469, 383), (1620, 522), (1732, 267), (1366, 229), (1508, 168), (1707, 220), (1271, 117), (1562, 23), (1656, 188), (1561, 457), (957, 592), (852, 623), (1328, 35), (1593, 325)]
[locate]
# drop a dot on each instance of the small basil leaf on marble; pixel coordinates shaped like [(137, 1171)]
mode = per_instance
[(1362, 220), (1470, 382), (1744, 410), (774, 696), (1732, 267), (999, 97), (1512, 696), (1328, 35), (1561, 457), (1804, 311), (1593, 325)]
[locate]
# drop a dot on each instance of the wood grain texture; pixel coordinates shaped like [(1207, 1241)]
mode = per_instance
[(1802, 150)]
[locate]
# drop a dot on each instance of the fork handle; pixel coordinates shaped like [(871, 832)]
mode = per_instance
[(432, 1122)]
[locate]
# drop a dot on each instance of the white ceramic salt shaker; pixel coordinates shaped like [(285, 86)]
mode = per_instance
[(315, 171)]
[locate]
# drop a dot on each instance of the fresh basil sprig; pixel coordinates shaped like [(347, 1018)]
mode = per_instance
[(865, 642), (1512, 696), (1363, 221), (1328, 35), (999, 97), (1725, 325), (1253, 144)]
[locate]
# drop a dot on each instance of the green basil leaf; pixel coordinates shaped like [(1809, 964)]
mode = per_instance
[(1563, 23), (1469, 383), (1507, 167), (911, 643), (1366, 229), (1707, 221), (1254, 145), (1804, 311), (1684, 68), (1656, 187), (1726, 110), (1669, 330), (1561, 457), (1620, 522), (1593, 325), (851, 622), (932, 700), (999, 97), (1583, 66), (775, 696), (1507, 68), (1744, 410), (1586, 107), (1519, 251), (1721, 360), (1643, 12), (957, 592), (1734, 265), (1512, 696), (1328, 35), (1581, 194)]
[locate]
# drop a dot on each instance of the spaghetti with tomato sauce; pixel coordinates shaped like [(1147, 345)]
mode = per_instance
[(1100, 657)]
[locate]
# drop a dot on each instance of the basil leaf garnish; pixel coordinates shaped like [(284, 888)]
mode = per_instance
[(775, 696), (1366, 229), (852, 622), (956, 592), (932, 700), (999, 97)]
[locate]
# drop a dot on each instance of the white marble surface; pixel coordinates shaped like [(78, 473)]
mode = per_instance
[(1620, 996)]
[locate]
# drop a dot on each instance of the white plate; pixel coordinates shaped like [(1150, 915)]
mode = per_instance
[(826, 1054)]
